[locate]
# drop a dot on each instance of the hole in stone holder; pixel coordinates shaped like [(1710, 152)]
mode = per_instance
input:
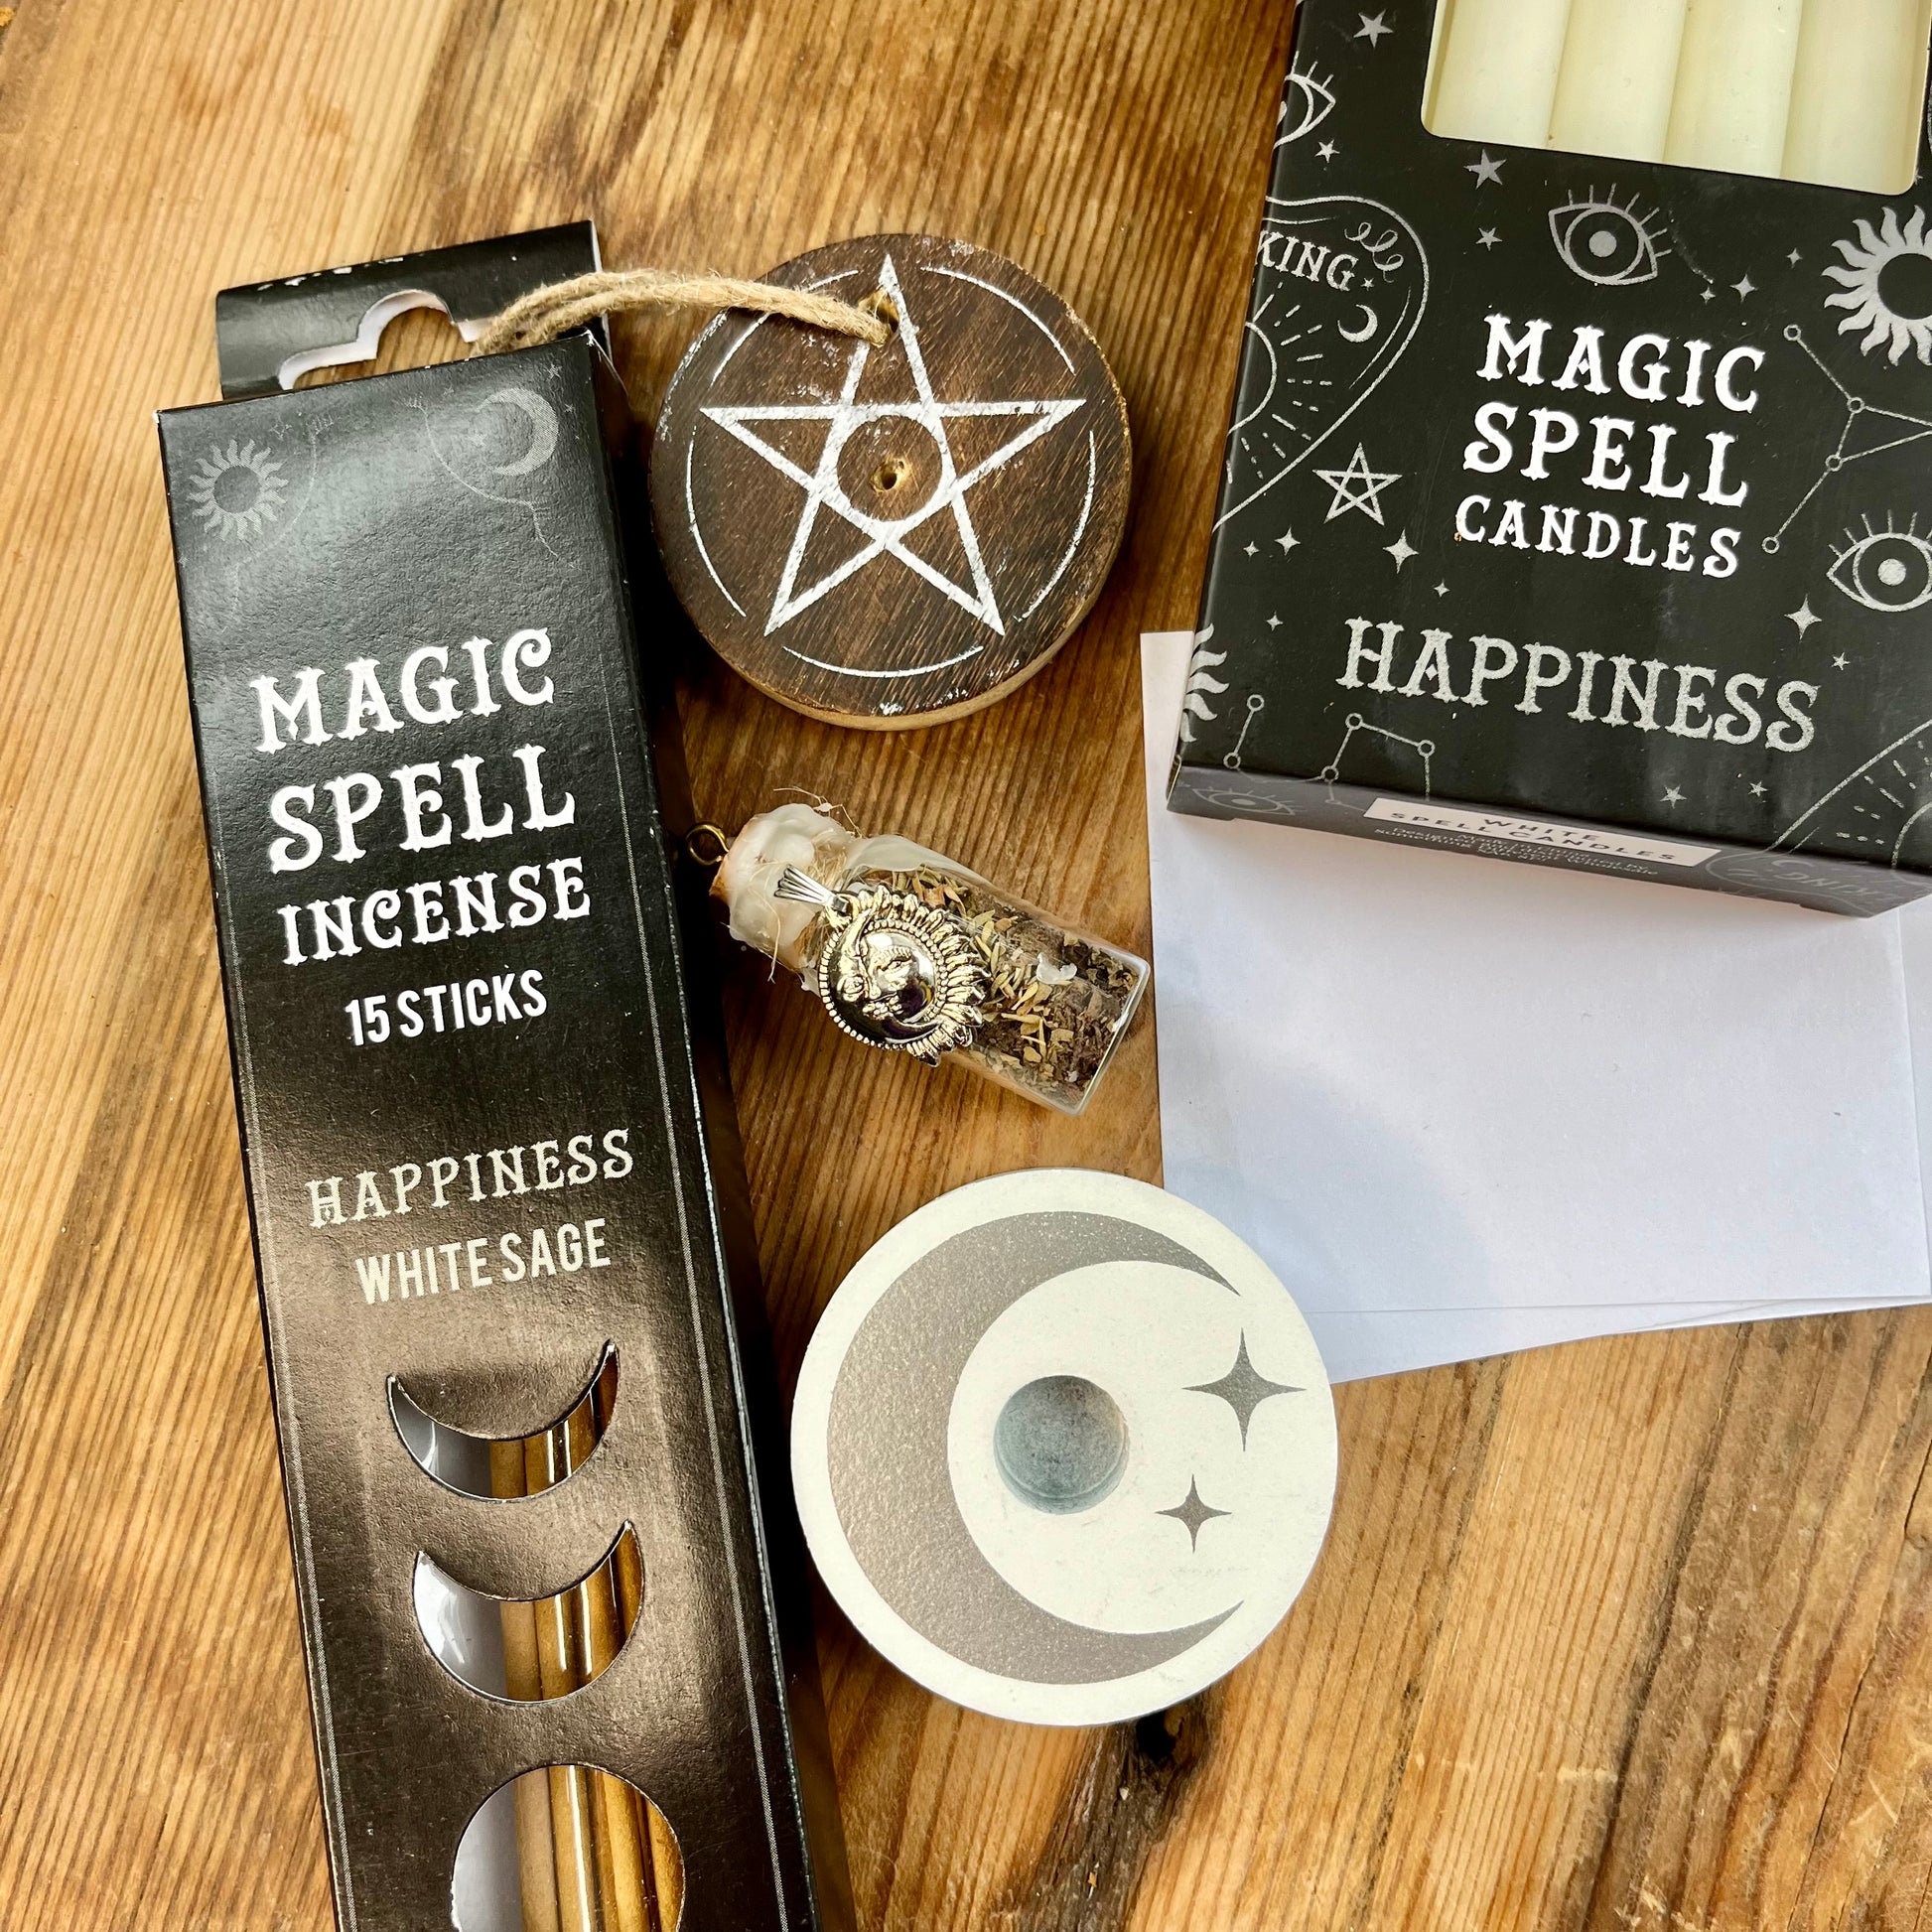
[(522, 1650), (567, 1847), (889, 474), (515, 1466), (1060, 1443)]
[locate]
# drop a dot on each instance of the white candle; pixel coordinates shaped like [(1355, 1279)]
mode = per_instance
[(1496, 74), (1857, 95), (1619, 74), (1733, 84), (1443, 11)]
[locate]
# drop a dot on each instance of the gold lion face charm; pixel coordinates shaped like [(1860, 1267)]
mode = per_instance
[(894, 972)]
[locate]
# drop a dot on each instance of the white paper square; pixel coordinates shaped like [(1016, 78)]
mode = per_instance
[(1422, 1083)]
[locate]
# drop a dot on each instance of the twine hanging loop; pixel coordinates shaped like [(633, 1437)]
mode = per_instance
[(552, 311)]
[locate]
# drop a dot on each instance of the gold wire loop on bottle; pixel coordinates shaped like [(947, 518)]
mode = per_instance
[(706, 845)]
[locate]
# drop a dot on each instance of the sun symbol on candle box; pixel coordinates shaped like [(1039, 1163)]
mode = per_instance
[(235, 491), (1887, 284)]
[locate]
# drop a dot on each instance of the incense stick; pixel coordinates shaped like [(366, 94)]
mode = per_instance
[(1496, 74), (1856, 94), (593, 1855), (1733, 84), (536, 1869), (1619, 77)]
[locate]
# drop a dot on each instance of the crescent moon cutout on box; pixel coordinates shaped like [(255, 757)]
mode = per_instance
[(991, 1596)]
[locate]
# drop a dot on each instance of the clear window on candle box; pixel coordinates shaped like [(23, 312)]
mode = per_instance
[(1831, 92)]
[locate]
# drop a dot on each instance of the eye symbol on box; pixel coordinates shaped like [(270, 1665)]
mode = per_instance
[(1886, 570), (1607, 242), (1307, 101)]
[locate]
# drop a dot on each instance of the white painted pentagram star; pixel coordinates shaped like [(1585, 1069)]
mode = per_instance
[(1326, 150), (1758, 791), (1288, 541), (1804, 616), (1745, 289), (1402, 550), (1489, 238), (1839, 664), (1373, 28), (1358, 488), (886, 537), (1673, 796), (1487, 170)]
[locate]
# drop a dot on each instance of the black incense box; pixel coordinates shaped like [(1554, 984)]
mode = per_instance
[(1571, 511), (488, 1138)]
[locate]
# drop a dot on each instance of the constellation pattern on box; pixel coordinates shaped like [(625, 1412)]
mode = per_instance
[(1423, 749), (1257, 704), (1858, 411)]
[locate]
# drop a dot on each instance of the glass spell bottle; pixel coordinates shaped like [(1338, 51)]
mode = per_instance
[(910, 952)]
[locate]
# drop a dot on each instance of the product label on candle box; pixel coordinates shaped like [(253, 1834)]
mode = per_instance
[(1535, 831), (1571, 486), (469, 1081)]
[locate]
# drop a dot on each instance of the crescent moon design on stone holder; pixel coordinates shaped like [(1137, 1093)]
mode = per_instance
[(905, 1362)]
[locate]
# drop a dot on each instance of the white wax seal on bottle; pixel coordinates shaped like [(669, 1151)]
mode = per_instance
[(1063, 1448)]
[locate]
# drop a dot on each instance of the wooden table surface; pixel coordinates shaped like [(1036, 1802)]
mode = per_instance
[(1636, 1634)]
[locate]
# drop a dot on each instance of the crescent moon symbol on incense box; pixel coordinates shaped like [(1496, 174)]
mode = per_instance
[(1063, 1619), (543, 430)]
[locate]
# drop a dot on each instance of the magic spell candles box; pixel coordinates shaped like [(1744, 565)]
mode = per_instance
[(560, 1660), (1575, 501)]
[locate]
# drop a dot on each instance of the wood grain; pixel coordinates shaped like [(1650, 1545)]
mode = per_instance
[(1633, 1636)]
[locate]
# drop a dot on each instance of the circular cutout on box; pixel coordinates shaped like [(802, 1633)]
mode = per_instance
[(1063, 1448), (894, 536)]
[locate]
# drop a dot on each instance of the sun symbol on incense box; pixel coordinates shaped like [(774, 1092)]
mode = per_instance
[(234, 491), (1887, 284)]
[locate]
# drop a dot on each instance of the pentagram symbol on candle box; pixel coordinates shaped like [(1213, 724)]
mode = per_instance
[(891, 537)]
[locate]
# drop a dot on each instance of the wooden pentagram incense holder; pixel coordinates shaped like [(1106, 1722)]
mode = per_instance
[(499, 1221), (894, 536)]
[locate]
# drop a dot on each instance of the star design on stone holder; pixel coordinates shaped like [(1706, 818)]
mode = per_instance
[(1244, 1388), (886, 535), (1193, 1512)]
